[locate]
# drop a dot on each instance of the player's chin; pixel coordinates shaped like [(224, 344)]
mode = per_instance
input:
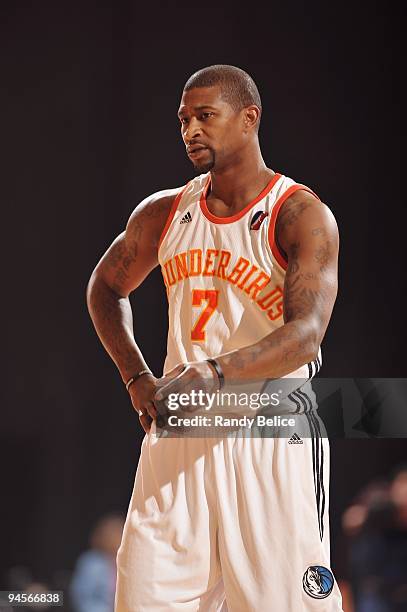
[(205, 162), (203, 167)]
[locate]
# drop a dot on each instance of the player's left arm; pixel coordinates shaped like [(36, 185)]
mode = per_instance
[(307, 232)]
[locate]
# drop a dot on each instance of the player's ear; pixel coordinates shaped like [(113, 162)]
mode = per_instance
[(251, 116)]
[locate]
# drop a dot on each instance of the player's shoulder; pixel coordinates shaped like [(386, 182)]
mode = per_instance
[(152, 212), (303, 205), (156, 204), (156, 207)]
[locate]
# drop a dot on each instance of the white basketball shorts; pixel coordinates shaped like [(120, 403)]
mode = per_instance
[(234, 524)]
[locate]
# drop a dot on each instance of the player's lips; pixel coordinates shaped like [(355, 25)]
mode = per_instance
[(195, 150)]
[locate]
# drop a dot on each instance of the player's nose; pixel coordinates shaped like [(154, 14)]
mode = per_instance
[(192, 130)]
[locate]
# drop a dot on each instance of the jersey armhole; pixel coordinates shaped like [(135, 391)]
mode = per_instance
[(172, 212), (275, 249)]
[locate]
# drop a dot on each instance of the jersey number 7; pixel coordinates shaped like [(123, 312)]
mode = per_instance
[(210, 296)]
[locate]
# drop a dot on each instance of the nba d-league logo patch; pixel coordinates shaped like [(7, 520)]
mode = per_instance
[(318, 581), (258, 219)]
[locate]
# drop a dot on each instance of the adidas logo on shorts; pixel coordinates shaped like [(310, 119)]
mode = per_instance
[(295, 439), (186, 218)]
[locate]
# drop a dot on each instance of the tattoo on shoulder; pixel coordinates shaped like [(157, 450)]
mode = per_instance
[(317, 231), (157, 208), (290, 212)]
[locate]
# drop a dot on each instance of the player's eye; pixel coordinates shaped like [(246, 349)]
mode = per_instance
[(184, 120), (206, 115)]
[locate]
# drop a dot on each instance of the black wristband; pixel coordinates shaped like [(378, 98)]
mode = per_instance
[(218, 371)]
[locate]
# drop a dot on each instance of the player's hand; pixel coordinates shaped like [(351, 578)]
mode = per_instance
[(142, 392), (195, 376)]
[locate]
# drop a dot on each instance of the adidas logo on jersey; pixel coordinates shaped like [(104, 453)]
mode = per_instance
[(186, 218), (295, 439)]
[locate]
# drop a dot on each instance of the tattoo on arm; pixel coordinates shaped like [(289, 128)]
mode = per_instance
[(300, 297), (125, 254), (113, 320), (323, 255), (309, 294), (318, 230), (290, 213), (110, 310), (122, 256)]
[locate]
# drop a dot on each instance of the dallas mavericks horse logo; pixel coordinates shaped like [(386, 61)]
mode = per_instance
[(318, 582)]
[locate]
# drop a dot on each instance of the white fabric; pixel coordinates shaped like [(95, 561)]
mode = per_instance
[(224, 525)]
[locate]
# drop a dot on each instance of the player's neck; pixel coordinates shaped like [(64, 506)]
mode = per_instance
[(234, 187)]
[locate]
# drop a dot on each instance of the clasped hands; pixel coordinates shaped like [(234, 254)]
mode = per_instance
[(149, 395)]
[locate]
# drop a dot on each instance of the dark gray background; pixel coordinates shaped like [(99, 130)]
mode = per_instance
[(90, 93)]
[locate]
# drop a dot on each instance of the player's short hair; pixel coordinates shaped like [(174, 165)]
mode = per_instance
[(237, 87)]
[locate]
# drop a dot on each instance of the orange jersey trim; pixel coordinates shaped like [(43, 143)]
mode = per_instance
[(273, 219), (241, 213), (172, 213)]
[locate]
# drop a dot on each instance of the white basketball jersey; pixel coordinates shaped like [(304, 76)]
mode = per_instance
[(224, 275)]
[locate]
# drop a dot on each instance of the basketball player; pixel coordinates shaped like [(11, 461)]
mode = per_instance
[(249, 260)]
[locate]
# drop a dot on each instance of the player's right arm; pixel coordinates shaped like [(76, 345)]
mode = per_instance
[(124, 266)]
